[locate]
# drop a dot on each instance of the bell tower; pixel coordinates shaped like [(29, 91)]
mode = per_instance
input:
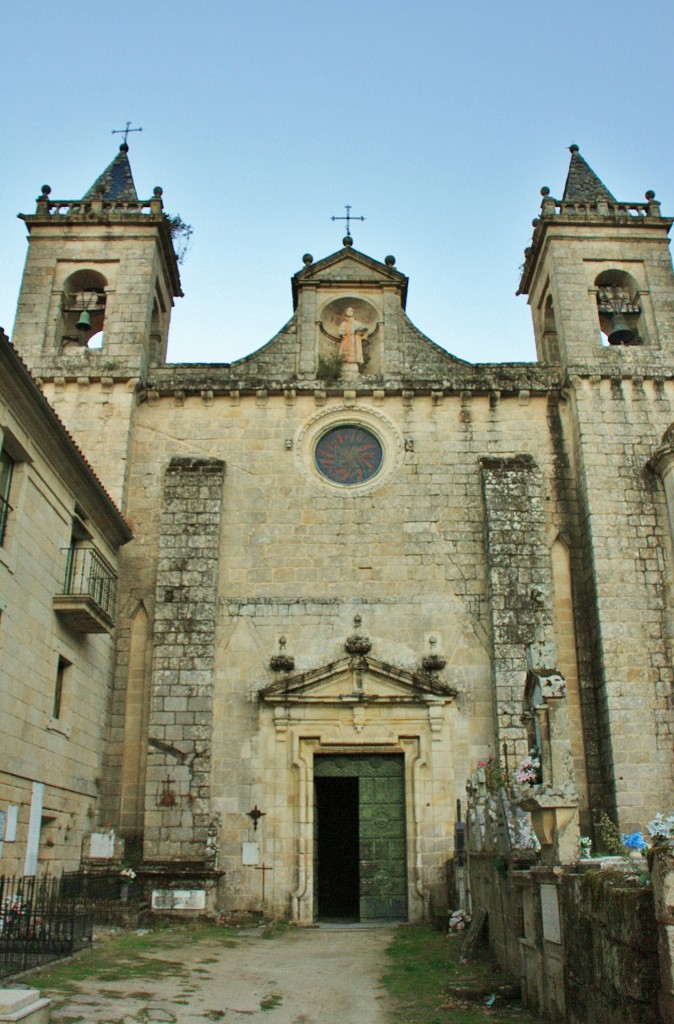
[(100, 278), (598, 274), (94, 308)]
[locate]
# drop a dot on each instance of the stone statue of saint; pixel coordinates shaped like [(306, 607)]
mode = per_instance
[(351, 334)]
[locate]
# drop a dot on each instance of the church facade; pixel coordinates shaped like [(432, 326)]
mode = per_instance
[(359, 561)]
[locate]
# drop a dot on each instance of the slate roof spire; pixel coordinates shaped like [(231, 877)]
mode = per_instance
[(116, 181), (582, 184)]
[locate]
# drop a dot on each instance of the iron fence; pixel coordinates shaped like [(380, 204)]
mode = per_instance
[(41, 919)]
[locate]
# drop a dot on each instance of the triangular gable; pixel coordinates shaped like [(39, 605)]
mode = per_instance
[(349, 266), (360, 679)]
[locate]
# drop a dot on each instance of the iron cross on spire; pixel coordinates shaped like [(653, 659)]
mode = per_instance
[(348, 219), (125, 131)]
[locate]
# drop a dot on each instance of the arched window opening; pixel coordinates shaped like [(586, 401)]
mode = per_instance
[(83, 310), (157, 348), (619, 309), (550, 340), (96, 340)]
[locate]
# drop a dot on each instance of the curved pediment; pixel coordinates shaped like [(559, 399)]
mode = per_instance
[(357, 680)]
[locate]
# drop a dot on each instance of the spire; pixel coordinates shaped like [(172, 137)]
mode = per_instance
[(582, 184), (116, 181)]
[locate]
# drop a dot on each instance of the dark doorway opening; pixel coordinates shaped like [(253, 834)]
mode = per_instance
[(337, 848)]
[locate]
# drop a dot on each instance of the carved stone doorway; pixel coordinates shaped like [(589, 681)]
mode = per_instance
[(360, 856)]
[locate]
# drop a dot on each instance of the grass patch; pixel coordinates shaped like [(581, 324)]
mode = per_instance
[(214, 1014), (428, 984), (120, 958)]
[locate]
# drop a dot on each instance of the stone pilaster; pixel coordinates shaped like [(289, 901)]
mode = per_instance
[(178, 793), (520, 587)]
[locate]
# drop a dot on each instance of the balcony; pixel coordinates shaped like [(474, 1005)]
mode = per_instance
[(87, 604)]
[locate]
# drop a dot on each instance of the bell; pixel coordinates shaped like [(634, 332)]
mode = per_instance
[(84, 322), (621, 333)]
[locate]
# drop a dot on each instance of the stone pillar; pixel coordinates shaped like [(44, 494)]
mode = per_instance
[(178, 820), (520, 587)]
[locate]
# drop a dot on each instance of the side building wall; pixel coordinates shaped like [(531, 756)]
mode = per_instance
[(54, 679)]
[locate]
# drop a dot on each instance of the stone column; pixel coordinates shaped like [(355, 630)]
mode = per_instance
[(178, 820)]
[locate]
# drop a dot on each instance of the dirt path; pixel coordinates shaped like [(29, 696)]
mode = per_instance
[(305, 976)]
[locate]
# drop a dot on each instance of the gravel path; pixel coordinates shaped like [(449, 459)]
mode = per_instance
[(323, 975)]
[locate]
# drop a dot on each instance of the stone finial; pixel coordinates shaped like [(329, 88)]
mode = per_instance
[(390, 261), (307, 259), (282, 662), (347, 241), (433, 662), (357, 643)]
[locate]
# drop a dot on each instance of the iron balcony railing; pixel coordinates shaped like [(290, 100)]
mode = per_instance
[(89, 575)]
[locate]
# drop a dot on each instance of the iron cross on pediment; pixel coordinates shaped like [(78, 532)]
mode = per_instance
[(348, 219)]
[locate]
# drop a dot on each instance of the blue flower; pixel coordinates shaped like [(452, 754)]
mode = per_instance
[(634, 841)]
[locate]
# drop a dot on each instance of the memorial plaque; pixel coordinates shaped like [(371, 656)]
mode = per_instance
[(178, 899), (12, 820), (550, 912), (102, 845), (250, 854)]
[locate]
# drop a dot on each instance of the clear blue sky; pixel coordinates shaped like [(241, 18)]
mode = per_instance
[(438, 121)]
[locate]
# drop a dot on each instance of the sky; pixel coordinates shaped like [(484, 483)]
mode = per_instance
[(438, 121)]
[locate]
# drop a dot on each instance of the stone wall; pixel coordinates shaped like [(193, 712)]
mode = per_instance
[(611, 948), (583, 945)]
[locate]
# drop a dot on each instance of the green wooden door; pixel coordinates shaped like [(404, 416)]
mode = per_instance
[(382, 856)]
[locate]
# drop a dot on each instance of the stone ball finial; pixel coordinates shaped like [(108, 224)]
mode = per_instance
[(573, 148), (46, 189), (307, 259), (545, 191), (158, 191), (390, 261), (535, 222), (124, 148), (347, 241), (650, 194)]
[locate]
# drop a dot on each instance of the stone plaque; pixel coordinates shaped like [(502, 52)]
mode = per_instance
[(102, 845), (178, 899), (12, 819), (250, 854), (550, 913)]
